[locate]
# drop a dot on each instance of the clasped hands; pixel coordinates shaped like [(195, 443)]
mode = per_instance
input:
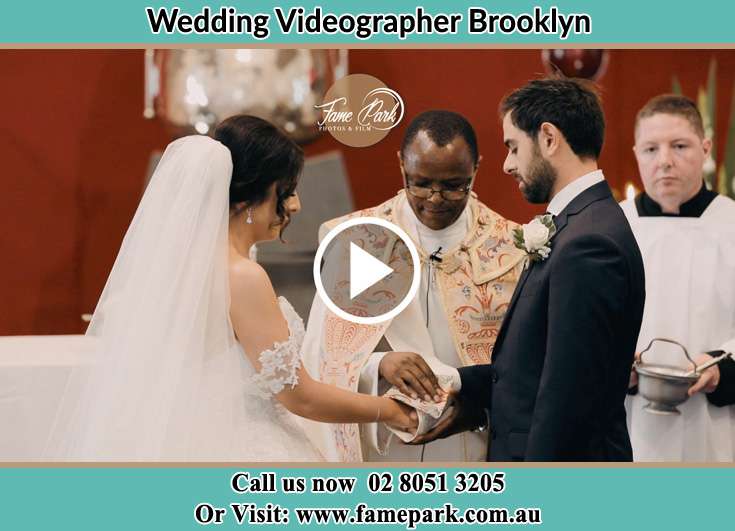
[(410, 374)]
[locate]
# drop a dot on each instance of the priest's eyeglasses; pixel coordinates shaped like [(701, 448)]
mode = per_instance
[(454, 193)]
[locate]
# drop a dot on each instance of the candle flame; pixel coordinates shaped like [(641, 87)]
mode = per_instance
[(630, 191)]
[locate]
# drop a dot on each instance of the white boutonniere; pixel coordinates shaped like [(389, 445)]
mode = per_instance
[(534, 237)]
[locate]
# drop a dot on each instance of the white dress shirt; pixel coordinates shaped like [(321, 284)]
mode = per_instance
[(572, 190)]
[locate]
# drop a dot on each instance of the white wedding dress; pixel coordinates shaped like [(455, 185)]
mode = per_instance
[(273, 433), (170, 381)]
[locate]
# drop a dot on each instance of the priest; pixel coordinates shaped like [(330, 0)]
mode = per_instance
[(686, 234), (470, 268)]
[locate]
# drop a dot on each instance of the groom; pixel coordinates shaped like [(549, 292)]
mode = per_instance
[(555, 390)]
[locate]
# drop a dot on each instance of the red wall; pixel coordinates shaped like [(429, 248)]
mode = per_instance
[(74, 150)]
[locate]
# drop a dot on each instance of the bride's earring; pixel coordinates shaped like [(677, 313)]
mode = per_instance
[(249, 219)]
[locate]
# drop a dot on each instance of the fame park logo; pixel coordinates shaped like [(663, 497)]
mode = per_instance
[(359, 110)]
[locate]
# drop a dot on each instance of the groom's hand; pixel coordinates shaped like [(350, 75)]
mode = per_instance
[(411, 375), (458, 419)]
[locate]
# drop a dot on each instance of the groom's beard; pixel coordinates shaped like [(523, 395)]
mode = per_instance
[(540, 180)]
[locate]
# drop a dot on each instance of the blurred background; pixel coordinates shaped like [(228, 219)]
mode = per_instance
[(76, 149)]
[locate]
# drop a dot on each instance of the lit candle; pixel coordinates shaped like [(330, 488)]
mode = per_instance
[(630, 190)]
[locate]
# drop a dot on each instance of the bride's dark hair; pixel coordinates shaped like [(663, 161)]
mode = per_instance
[(262, 154)]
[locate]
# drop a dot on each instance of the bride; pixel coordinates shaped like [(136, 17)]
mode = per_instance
[(196, 357)]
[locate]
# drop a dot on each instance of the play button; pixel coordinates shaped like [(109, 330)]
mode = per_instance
[(366, 270)]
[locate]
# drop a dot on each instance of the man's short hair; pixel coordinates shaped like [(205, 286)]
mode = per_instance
[(672, 104), (442, 127), (572, 105)]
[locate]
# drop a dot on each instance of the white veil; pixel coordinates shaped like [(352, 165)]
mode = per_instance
[(164, 361)]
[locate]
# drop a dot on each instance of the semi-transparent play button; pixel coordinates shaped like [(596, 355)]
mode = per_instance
[(367, 270)]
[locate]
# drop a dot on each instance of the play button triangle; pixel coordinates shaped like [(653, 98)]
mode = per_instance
[(365, 270)]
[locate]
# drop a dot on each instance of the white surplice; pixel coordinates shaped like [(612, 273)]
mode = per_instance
[(690, 297), (729, 346)]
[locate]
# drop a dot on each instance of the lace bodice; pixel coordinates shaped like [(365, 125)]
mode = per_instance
[(270, 432), (280, 364)]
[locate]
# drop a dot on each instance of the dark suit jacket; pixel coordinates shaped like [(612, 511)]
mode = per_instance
[(562, 359)]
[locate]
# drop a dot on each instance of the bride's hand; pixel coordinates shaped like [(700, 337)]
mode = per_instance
[(399, 416)]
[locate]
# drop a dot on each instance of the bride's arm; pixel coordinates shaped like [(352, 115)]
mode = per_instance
[(259, 325)]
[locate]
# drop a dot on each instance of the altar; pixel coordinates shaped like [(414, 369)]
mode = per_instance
[(34, 371)]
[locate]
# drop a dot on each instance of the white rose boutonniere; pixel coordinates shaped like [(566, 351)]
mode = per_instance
[(534, 237)]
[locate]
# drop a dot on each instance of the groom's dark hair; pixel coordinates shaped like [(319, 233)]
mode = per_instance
[(572, 105)]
